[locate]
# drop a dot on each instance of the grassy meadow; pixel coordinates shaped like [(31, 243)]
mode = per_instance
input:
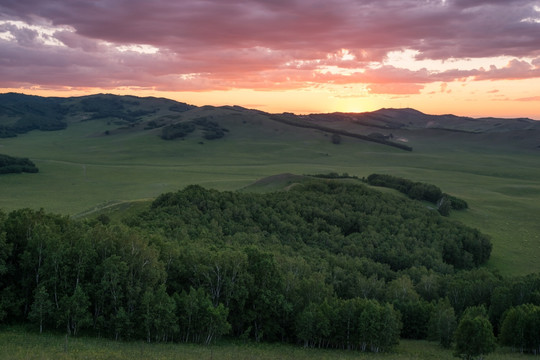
[(82, 170), (20, 344)]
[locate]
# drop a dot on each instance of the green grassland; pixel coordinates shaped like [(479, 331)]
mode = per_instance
[(19, 344), (83, 170)]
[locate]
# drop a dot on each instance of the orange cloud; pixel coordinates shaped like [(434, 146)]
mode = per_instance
[(262, 45)]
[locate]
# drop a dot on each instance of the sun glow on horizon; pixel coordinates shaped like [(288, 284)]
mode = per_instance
[(437, 100), (348, 56)]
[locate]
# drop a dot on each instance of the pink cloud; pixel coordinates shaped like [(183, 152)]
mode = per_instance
[(395, 88), (532, 98), (261, 44), (515, 69)]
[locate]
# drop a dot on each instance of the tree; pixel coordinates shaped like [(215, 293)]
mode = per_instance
[(5, 248), (415, 316), (474, 335), (217, 324), (265, 305), (380, 326), (41, 308), (313, 325), (520, 328), (158, 316), (199, 320), (442, 323), (306, 325), (5, 252), (123, 326), (74, 311), (402, 290), (444, 205)]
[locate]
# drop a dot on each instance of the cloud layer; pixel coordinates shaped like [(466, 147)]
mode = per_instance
[(199, 45)]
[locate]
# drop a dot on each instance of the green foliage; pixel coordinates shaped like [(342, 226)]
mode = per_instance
[(474, 334), (415, 316), (122, 325), (152, 124), (456, 203), (314, 324), (211, 130), (7, 132), (444, 205), (327, 264), (199, 320), (336, 139), (158, 315), (355, 222), (23, 113), (180, 107), (419, 191), (30, 113), (334, 175), (108, 106), (74, 311), (414, 311), (513, 293), (381, 327), (358, 324), (178, 130), (442, 323), (229, 218), (5, 248), (10, 164), (264, 291), (5, 254), (520, 328), (42, 308), (135, 164)]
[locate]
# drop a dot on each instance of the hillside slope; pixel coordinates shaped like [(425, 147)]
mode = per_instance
[(394, 127), (111, 151)]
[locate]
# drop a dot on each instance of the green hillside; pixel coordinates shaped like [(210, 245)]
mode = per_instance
[(105, 156), (329, 264)]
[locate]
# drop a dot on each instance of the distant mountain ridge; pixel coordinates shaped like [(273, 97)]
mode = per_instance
[(21, 113), (408, 118)]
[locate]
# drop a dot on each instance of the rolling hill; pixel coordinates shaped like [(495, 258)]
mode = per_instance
[(97, 151), (22, 113)]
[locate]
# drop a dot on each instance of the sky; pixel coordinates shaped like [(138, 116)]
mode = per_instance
[(465, 57)]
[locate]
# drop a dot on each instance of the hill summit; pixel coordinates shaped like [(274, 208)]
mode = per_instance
[(171, 120)]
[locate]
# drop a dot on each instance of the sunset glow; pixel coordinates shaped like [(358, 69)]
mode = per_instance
[(475, 58)]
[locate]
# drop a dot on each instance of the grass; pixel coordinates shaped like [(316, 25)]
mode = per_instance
[(17, 343), (82, 171)]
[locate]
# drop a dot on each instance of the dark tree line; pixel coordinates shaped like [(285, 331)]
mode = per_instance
[(419, 191), (178, 130), (210, 129), (334, 175), (520, 328), (23, 113), (107, 106), (10, 164), (33, 120), (291, 119), (27, 113), (326, 264)]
